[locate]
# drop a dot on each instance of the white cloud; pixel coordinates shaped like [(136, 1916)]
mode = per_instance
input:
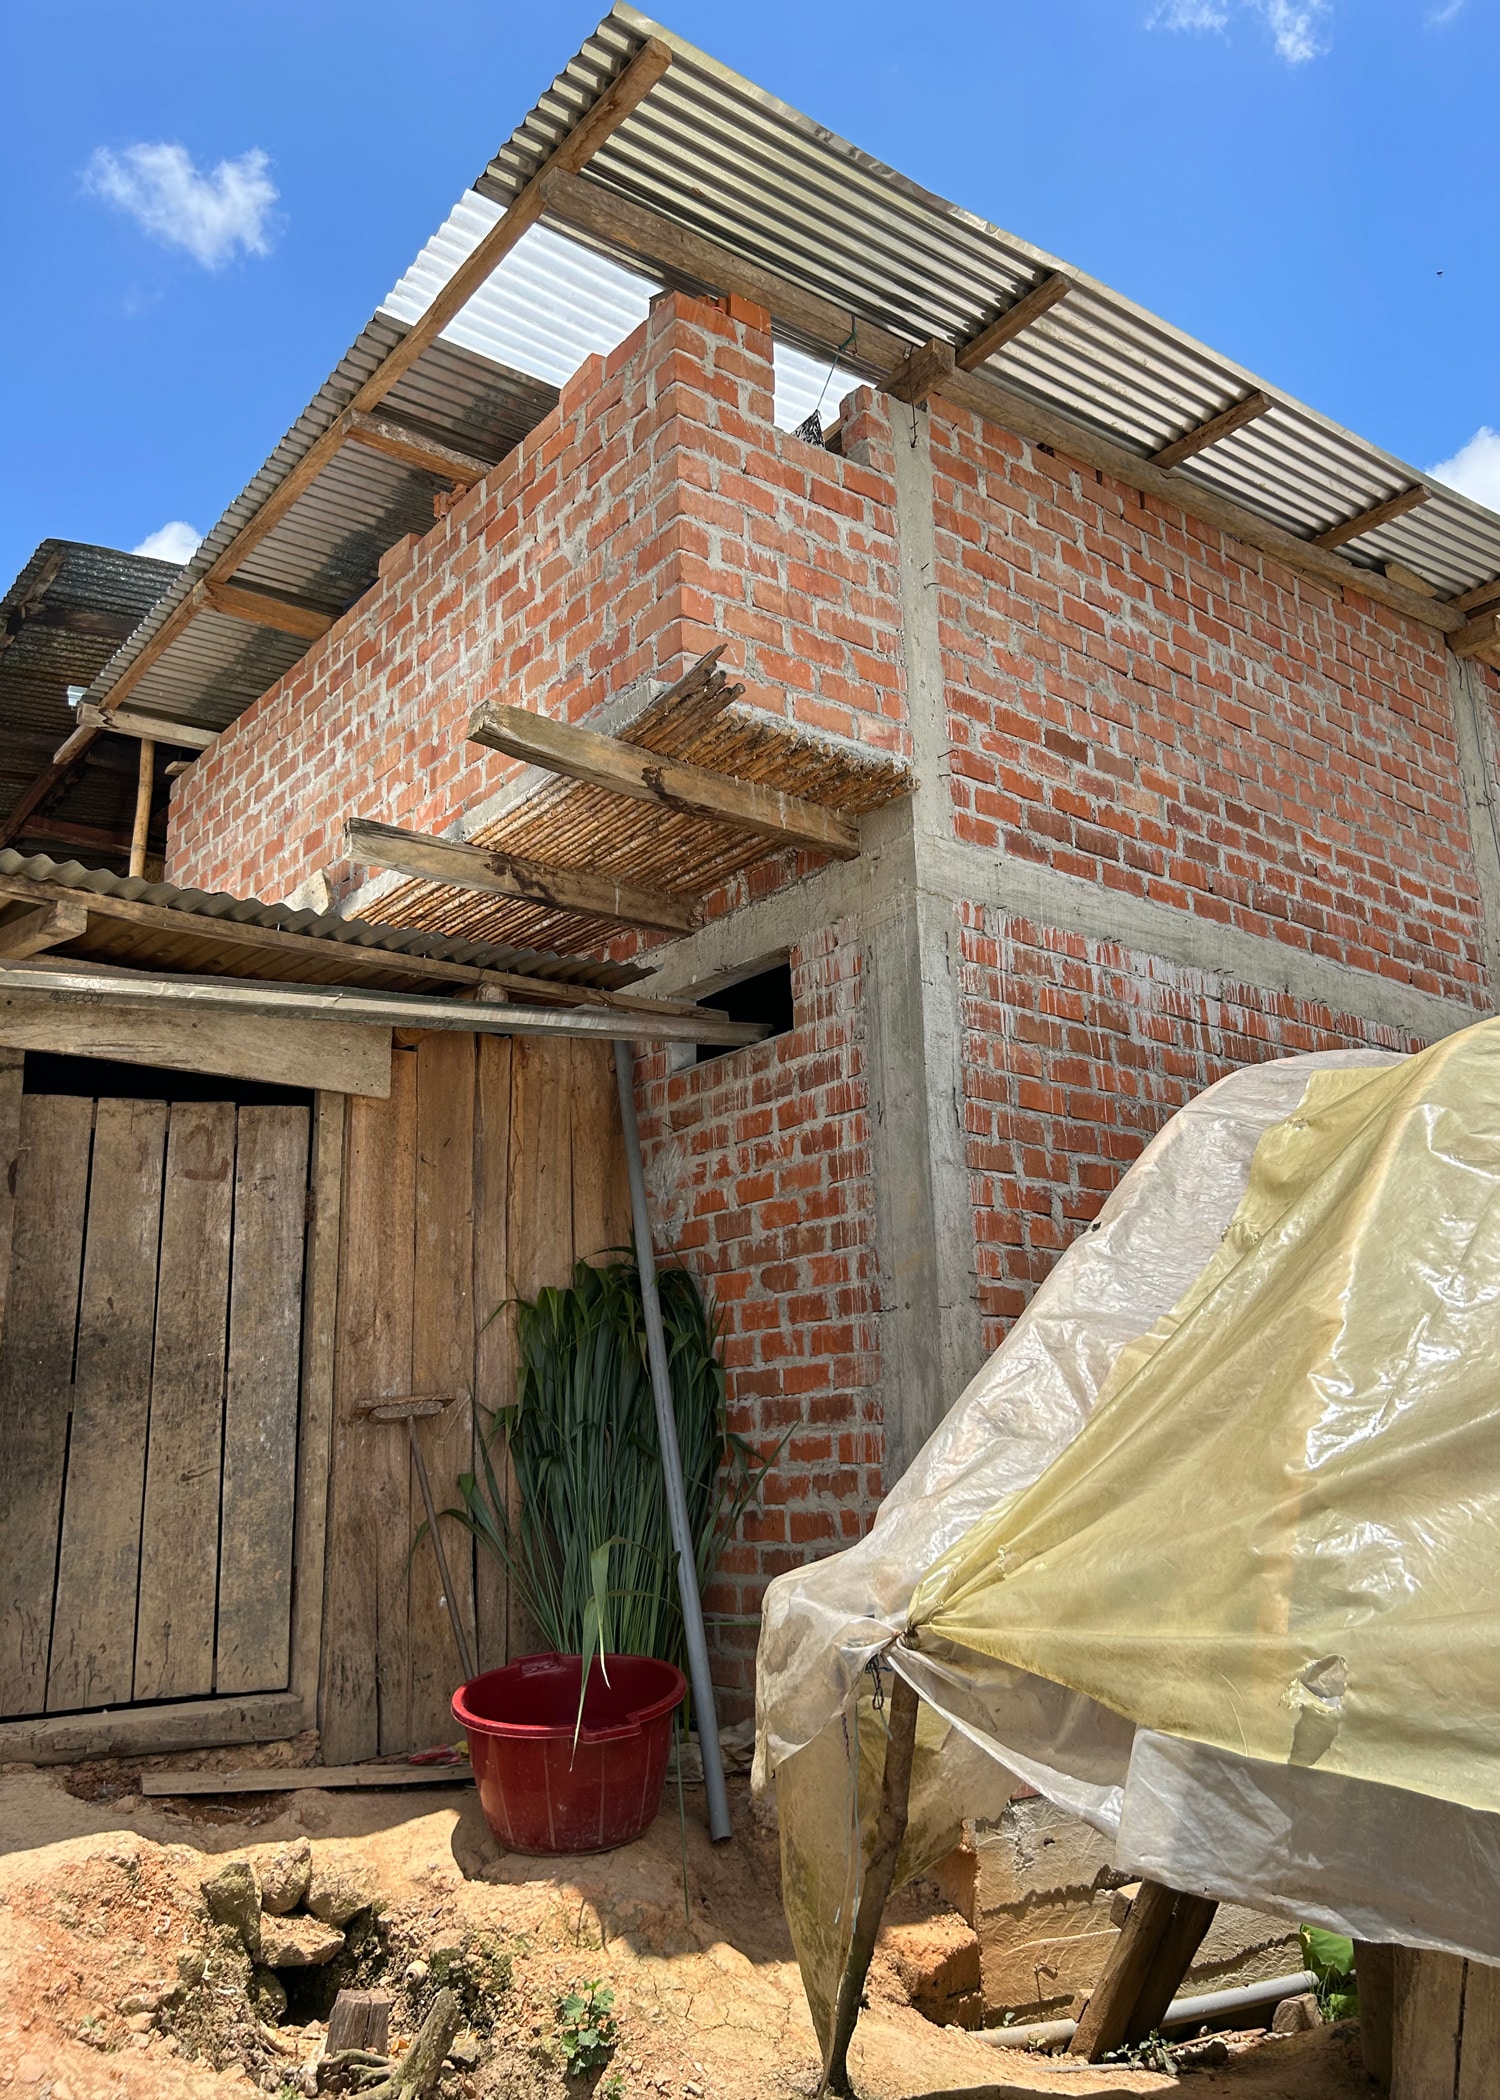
[(1296, 25), (172, 542), (211, 215), (1474, 469), (1439, 15)]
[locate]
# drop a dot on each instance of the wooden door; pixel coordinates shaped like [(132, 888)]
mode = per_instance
[(149, 1377)]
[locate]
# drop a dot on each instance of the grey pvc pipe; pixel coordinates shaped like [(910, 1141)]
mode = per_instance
[(671, 1461), (1182, 2012)]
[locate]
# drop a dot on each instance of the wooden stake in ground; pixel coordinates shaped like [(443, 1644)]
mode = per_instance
[(890, 1829), (1153, 1954)]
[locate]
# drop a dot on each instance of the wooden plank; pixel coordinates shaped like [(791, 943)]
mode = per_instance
[(1479, 2052), (365, 1699), (1378, 514), (157, 729), (309, 623), (36, 1371), (601, 1188), (291, 1779), (625, 769), (494, 1343), (1481, 594), (634, 230), (1426, 2020), (315, 1437), (12, 1083), (1213, 429), (500, 874), (153, 1731), (593, 128), (174, 1640), (539, 1232), (344, 1059), (82, 986), (442, 1361), (46, 927), (261, 1387), (1019, 315), (394, 439), (98, 1562)]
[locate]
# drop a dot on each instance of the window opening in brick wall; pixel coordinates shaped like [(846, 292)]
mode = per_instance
[(765, 997)]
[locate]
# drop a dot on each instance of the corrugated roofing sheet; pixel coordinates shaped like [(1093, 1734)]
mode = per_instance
[(208, 905), (714, 152)]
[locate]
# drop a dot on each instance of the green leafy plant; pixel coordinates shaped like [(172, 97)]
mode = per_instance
[(587, 2030), (1331, 1959), (591, 1555)]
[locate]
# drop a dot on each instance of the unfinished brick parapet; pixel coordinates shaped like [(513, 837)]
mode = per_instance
[(655, 512)]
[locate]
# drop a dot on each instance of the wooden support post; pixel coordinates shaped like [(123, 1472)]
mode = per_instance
[(890, 1829), (1132, 1962), (1186, 1929), (144, 781), (1427, 2024), (1375, 1974)]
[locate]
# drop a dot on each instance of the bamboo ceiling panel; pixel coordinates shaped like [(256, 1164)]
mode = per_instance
[(573, 826)]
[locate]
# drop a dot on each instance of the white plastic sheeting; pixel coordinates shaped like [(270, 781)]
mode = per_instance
[(1379, 1861)]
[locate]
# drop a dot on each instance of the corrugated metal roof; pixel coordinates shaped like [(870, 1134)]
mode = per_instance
[(714, 152), (206, 906)]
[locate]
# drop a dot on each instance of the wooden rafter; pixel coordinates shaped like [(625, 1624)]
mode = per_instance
[(922, 371), (595, 896), (525, 209), (156, 729), (414, 448), (237, 601), (1378, 514), (1479, 637), (1223, 425), (1481, 595), (633, 229), (48, 926), (624, 769), (1019, 315)]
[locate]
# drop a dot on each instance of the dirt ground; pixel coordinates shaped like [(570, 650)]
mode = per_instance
[(113, 1986)]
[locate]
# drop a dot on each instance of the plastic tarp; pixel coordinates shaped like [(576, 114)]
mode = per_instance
[(1207, 1551)]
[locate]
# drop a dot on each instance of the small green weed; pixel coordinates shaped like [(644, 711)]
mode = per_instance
[(587, 2030), (1331, 1958)]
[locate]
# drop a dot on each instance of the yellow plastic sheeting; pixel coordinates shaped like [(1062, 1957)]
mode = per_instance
[(1277, 1531)]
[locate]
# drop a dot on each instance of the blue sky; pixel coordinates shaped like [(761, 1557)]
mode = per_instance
[(202, 206)]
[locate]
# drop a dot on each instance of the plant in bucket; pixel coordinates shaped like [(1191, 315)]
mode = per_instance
[(570, 1746)]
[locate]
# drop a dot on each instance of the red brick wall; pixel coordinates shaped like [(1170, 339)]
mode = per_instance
[(656, 512), (759, 1170), (1077, 1051), (1136, 699)]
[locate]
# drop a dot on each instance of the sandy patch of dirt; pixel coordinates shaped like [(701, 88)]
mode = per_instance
[(115, 1985)]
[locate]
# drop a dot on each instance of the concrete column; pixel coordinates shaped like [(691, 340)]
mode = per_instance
[(1476, 757), (931, 1336)]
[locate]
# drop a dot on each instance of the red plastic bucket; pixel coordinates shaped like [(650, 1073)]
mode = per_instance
[(539, 1794)]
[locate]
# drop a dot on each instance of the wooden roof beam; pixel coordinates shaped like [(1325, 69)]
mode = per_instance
[(922, 371), (605, 116), (1479, 638), (633, 229), (48, 926), (672, 784), (1019, 315), (1481, 595), (154, 729), (1378, 514), (395, 439), (1202, 435), (499, 874), (237, 601)]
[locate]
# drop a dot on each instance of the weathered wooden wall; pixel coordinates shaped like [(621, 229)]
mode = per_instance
[(495, 1163)]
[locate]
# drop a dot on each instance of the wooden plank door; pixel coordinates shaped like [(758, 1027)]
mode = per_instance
[(150, 1367)]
